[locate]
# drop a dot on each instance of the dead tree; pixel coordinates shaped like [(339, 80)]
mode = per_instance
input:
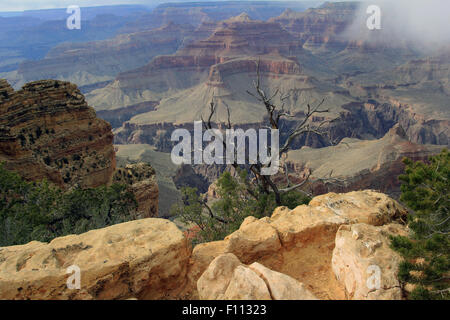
[(275, 115)]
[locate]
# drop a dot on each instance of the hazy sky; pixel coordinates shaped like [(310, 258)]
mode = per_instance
[(20, 5)]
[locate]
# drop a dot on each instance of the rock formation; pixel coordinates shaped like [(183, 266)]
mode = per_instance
[(309, 57), (48, 131), (321, 26), (362, 254), (228, 279), (141, 178), (325, 250), (144, 259), (299, 243), (201, 61), (196, 13)]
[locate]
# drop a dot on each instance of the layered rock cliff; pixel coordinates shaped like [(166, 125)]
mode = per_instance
[(48, 131), (366, 102), (238, 37), (321, 26)]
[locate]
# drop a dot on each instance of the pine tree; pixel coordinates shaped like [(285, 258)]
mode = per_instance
[(425, 190)]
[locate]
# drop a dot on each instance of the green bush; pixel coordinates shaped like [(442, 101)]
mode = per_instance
[(236, 200), (40, 211)]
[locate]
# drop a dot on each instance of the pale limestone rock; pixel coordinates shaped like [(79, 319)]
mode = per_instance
[(246, 285), (215, 280), (202, 256), (280, 211), (254, 239), (365, 264), (366, 206), (143, 259), (302, 224), (150, 259), (281, 286), (306, 239)]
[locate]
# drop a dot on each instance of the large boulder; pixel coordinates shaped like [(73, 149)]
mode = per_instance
[(364, 262), (301, 225), (246, 285), (255, 239), (202, 256), (226, 278), (144, 259), (281, 286), (366, 206), (215, 280)]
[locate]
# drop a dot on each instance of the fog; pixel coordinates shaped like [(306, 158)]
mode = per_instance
[(423, 24)]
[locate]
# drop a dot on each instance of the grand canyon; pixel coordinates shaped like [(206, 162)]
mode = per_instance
[(96, 108)]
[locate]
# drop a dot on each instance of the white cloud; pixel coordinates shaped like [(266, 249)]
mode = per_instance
[(423, 23)]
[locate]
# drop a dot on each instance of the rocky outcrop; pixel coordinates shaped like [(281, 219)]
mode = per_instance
[(143, 259), (281, 286), (246, 285), (242, 36), (215, 280), (141, 178), (227, 278), (368, 207), (335, 248), (300, 242), (48, 131), (364, 262)]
